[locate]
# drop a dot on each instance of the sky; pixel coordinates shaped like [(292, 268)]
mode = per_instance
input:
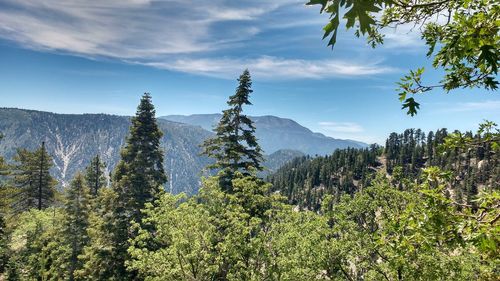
[(76, 56)]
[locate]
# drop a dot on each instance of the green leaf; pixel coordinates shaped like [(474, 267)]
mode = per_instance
[(411, 105), (402, 96)]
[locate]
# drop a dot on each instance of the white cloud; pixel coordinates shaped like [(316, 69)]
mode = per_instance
[(404, 38), (348, 130), (408, 37), (341, 127), (489, 105), (178, 35), (129, 28), (267, 67), (119, 29), (216, 13)]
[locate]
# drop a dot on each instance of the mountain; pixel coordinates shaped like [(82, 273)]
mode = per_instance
[(275, 133), (276, 160), (74, 139)]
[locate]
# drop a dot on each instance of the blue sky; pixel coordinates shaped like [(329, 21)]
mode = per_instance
[(76, 57)]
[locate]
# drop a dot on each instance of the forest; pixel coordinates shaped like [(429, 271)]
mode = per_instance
[(424, 207), (305, 180)]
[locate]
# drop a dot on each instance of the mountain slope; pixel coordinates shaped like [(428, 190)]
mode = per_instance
[(73, 140), (305, 180), (279, 158), (275, 133)]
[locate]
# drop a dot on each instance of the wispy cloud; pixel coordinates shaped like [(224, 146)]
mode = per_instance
[(341, 127), (489, 105), (348, 130), (129, 28), (192, 37), (267, 67), (403, 38), (407, 37)]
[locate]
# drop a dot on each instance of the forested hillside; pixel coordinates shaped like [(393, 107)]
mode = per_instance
[(306, 180)]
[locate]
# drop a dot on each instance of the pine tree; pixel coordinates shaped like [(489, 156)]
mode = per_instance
[(3, 245), (139, 176), (138, 179), (5, 192), (100, 257), (95, 175), (3, 234), (32, 179), (77, 208), (235, 146)]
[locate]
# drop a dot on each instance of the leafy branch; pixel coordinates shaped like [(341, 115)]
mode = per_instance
[(466, 46)]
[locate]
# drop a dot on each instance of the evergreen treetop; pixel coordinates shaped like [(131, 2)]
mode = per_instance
[(235, 146), (32, 179), (77, 209), (140, 175), (95, 177), (137, 180)]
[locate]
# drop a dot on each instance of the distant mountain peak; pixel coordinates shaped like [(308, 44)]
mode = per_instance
[(276, 133)]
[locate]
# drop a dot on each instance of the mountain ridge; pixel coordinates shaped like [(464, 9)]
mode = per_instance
[(276, 133), (73, 139)]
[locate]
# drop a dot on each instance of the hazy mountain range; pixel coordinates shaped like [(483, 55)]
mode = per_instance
[(275, 133), (73, 139)]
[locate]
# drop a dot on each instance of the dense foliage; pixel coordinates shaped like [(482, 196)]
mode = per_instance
[(95, 175)]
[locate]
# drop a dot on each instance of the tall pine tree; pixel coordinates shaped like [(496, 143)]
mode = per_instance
[(95, 175), (77, 209), (138, 179), (235, 146), (32, 179), (3, 207), (139, 176)]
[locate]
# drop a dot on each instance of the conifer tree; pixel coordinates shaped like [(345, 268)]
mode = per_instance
[(3, 245), (139, 176), (95, 176), (138, 179), (32, 179), (77, 208), (100, 257), (3, 235), (235, 146)]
